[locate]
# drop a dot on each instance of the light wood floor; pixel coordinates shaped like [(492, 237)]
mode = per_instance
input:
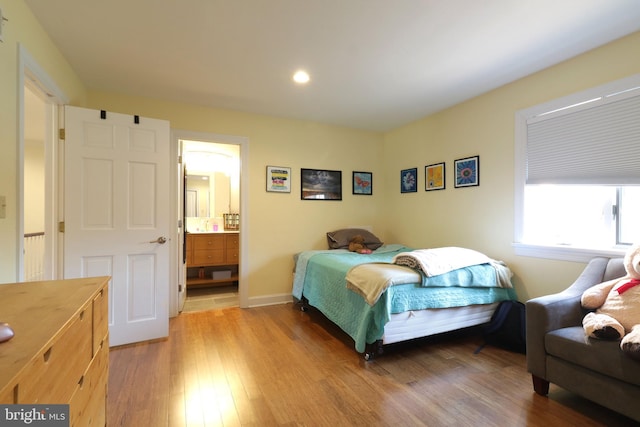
[(278, 366)]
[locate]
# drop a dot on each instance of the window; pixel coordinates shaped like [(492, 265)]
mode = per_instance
[(578, 174)]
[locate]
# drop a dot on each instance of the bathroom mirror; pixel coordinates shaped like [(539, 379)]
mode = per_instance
[(208, 195), (197, 196)]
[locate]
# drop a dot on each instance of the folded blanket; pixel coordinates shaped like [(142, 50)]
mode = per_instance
[(371, 280), (432, 262)]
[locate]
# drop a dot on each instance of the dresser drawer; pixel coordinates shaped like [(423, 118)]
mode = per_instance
[(208, 242), (210, 257), (232, 256), (100, 318), (88, 403), (67, 356), (233, 241)]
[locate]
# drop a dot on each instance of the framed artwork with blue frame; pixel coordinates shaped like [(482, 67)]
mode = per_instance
[(409, 180), (467, 172)]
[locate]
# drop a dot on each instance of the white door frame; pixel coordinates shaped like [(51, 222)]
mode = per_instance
[(243, 142), (30, 73)]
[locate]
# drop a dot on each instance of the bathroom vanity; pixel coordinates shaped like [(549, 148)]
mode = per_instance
[(212, 258)]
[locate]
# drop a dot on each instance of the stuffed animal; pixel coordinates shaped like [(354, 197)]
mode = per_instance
[(617, 304), (356, 244)]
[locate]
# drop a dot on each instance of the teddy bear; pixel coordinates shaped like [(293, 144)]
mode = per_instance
[(356, 244), (617, 307)]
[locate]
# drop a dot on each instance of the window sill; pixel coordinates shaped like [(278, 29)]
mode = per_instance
[(566, 253)]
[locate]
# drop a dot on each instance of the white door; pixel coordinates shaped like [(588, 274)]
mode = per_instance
[(116, 213)]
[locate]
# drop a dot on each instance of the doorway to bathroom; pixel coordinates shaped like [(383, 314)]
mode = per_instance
[(210, 201)]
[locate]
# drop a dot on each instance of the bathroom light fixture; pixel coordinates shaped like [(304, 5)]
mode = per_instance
[(301, 77)]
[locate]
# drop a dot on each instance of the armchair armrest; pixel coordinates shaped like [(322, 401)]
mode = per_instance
[(561, 310)]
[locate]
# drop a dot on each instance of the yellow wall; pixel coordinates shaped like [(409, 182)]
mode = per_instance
[(482, 217), (22, 28)]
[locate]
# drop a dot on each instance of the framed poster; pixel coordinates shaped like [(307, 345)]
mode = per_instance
[(434, 178), (362, 183), (409, 180), (320, 184), (278, 179), (467, 172)]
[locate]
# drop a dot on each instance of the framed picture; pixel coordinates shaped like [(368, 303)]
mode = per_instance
[(434, 178), (278, 179), (409, 180), (318, 184), (467, 172), (362, 183)]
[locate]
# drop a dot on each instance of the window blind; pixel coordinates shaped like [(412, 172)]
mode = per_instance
[(595, 144)]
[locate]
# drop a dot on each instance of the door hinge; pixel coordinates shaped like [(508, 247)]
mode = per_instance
[(179, 288), (61, 134), (61, 226), (180, 159)]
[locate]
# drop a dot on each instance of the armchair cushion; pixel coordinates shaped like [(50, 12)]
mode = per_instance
[(605, 357)]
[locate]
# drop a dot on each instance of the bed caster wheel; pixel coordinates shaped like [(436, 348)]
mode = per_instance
[(303, 309), (368, 357)]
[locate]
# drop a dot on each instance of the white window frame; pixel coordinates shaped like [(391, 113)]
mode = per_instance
[(556, 252)]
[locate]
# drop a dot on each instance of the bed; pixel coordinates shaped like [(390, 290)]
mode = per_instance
[(405, 303)]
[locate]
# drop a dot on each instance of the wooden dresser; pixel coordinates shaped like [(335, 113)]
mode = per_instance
[(210, 256), (60, 351)]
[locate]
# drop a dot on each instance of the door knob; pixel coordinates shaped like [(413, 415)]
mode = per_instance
[(162, 240)]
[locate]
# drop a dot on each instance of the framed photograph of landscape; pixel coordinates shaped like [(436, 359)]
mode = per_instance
[(434, 178), (278, 179), (363, 183), (409, 180), (467, 172), (320, 184)]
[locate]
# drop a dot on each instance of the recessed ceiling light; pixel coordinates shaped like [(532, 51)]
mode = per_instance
[(301, 77)]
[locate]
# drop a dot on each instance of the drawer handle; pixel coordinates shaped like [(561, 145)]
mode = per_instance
[(47, 354), (81, 381)]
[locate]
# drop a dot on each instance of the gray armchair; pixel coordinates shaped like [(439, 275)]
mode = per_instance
[(559, 352)]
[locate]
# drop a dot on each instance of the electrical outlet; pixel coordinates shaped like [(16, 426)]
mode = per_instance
[(3, 207)]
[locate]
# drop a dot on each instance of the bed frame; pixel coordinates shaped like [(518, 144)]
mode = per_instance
[(415, 324)]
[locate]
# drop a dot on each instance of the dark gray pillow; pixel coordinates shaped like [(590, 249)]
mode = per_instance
[(340, 239)]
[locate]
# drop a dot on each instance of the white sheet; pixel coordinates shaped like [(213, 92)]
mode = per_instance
[(423, 323)]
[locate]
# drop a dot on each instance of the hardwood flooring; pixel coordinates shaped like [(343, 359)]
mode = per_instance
[(278, 366)]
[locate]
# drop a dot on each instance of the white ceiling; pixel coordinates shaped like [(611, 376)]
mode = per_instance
[(374, 64)]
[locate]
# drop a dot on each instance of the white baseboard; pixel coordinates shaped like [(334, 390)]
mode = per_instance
[(270, 300)]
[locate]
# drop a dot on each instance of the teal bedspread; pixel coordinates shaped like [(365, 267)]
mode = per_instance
[(320, 278)]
